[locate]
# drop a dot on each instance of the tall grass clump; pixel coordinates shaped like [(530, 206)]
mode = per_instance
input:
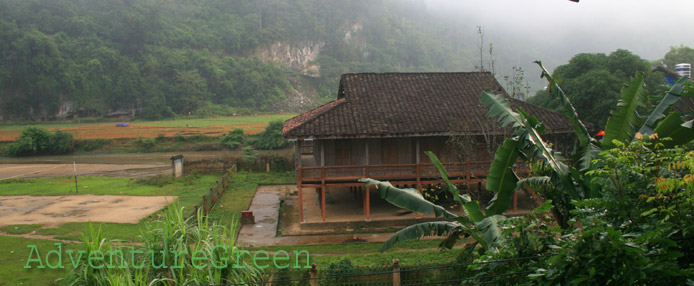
[(153, 260)]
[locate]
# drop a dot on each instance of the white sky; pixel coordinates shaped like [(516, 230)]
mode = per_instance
[(555, 30), (647, 28)]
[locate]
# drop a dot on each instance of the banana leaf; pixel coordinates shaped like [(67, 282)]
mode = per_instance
[(417, 231), (409, 199), (673, 95), (620, 126), (673, 126), (500, 108), (501, 179), (491, 231), (567, 108)]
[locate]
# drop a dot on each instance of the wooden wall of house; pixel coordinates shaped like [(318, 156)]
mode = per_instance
[(341, 152)]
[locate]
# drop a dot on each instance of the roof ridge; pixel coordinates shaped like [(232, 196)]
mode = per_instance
[(416, 73)]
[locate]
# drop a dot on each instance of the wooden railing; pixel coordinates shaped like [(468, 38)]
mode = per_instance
[(459, 171)]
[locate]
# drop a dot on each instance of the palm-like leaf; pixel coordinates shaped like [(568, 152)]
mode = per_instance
[(409, 199), (587, 149), (681, 87), (673, 127), (621, 125), (567, 108), (500, 108), (417, 231), (535, 180), (501, 179), (491, 231)]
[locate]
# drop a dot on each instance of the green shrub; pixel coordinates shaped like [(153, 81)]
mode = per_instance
[(146, 143), (61, 142), (198, 138), (36, 140), (233, 139), (91, 144), (271, 138)]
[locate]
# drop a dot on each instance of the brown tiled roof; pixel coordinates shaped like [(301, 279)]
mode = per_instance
[(376, 105)]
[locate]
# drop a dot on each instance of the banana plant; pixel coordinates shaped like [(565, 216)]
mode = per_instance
[(483, 227), (622, 125), (587, 148)]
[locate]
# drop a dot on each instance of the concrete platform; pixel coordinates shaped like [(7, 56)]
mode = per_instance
[(345, 222)]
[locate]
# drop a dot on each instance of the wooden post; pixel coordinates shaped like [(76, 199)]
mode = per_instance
[(419, 175), (367, 210), (267, 167), (313, 274), (299, 178), (515, 202), (301, 195), (322, 202), (467, 174), (322, 192), (396, 272)]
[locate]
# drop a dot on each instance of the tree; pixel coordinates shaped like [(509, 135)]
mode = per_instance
[(271, 137), (233, 139), (678, 55), (592, 83)]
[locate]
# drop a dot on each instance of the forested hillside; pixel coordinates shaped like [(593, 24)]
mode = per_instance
[(159, 58)]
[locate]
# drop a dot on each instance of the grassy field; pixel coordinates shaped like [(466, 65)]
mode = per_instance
[(220, 121), (214, 126), (14, 255), (176, 122)]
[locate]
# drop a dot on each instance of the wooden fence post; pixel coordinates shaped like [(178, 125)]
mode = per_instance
[(313, 274), (267, 167), (396, 272)]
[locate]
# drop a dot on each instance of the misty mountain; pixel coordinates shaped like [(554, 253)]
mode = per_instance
[(159, 58)]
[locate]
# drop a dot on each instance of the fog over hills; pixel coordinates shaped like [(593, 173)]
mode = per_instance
[(161, 58), (555, 30)]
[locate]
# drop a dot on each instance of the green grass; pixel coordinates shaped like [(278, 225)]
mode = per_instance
[(20, 228), (179, 122), (368, 254), (225, 120), (13, 258), (241, 190), (189, 189)]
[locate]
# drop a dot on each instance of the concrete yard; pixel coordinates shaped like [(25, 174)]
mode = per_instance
[(55, 210)]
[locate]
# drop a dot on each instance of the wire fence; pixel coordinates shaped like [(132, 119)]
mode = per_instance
[(395, 274)]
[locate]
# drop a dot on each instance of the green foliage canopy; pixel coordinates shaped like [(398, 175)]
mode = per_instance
[(271, 138), (593, 82)]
